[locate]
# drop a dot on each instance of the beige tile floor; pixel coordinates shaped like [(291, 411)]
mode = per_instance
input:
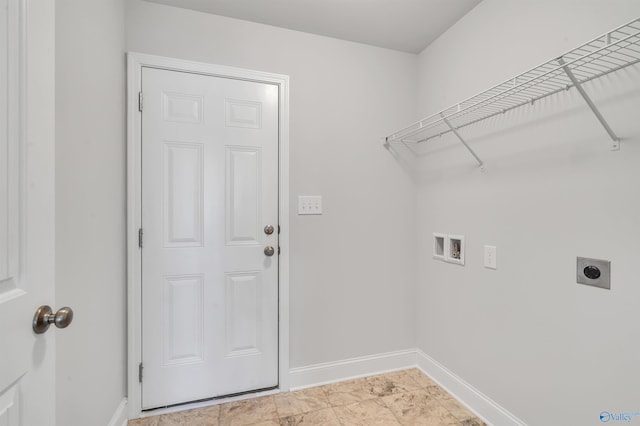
[(401, 398)]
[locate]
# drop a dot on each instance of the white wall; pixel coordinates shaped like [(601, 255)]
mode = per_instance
[(90, 216), (526, 335), (353, 273), (545, 348)]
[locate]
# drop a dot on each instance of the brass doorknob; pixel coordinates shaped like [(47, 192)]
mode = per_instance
[(269, 250), (44, 317)]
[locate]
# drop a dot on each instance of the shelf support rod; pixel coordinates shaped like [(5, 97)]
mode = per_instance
[(455, 132), (616, 140)]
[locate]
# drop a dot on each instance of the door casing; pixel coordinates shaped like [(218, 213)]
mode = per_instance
[(135, 62)]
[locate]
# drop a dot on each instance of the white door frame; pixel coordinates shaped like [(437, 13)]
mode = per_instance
[(135, 63)]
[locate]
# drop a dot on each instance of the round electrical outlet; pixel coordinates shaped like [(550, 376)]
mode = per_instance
[(592, 272)]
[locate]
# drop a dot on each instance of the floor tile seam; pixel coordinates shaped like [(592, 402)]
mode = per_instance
[(303, 413), (275, 404), (325, 390), (379, 398), (448, 397), (464, 419), (430, 399), (361, 389), (473, 416), (324, 398), (323, 401), (356, 402), (411, 379), (458, 420), (337, 417), (273, 401), (369, 398), (392, 412)]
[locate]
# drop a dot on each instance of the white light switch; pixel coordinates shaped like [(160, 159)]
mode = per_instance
[(309, 204), (490, 257)]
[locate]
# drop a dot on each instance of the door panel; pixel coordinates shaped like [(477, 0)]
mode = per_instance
[(209, 186), (183, 328), (27, 246), (243, 215), (183, 198), (243, 314)]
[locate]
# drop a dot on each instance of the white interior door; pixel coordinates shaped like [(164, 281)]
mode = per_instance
[(27, 248), (209, 189)]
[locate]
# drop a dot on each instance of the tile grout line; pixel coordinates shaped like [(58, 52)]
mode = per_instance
[(459, 420), (325, 391), (392, 413), (277, 411), (336, 414)]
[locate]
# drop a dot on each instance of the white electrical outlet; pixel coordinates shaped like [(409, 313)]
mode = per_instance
[(490, 257), (309, 204)]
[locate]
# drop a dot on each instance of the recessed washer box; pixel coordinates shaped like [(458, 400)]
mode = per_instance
[(455, 249), (439, 246), (594, 272)]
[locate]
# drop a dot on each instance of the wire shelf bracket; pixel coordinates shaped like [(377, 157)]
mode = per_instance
[(608, 53), (461, 139), (616, 140)]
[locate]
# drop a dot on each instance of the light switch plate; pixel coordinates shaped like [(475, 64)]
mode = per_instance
[(490, 257), (309, 204)]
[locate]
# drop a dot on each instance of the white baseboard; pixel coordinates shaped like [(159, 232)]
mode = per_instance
[(331, 372), (321, 374), (487, 409), (119, 418)]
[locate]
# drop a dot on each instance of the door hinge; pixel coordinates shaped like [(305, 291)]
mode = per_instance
[(140, 237), (140, 101), (278, 229), (140, 373), (278, 250)]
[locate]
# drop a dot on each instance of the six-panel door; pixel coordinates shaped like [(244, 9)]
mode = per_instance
[(209, 187)]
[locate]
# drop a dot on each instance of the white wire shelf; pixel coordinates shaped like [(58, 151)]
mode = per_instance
[(614, 50)]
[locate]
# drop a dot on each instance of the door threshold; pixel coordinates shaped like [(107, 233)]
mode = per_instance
[(209, 402)]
